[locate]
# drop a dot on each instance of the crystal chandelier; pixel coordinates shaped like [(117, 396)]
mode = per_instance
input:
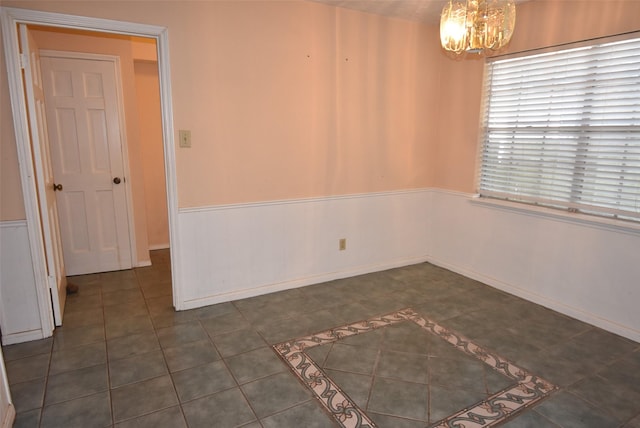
[(476, 26)]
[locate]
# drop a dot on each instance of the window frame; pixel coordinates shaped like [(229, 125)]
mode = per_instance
[(563, 209)]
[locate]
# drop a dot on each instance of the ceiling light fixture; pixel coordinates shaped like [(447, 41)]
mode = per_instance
[(477, 26)]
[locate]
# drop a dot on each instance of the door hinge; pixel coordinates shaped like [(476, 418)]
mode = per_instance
[(53, 284), (23, 61)]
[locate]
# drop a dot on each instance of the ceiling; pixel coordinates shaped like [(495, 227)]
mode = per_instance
[(425, 11)]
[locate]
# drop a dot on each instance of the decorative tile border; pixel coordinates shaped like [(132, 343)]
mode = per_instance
[(527, 390)]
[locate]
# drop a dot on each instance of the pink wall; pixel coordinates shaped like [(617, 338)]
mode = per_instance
[(296, 99), (542, 23), (150, 124), (458, 120), (277, 111), (11, 199)]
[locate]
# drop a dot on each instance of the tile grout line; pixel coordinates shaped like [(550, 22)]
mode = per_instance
[(164, 358), (46, 383), (231, 373), (108, 362), (296, 350), (612, 358)]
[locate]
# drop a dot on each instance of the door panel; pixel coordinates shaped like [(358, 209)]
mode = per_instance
[(44, 180), (86, 157), (65, 121)]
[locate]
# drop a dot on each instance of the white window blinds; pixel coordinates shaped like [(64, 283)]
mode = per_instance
[(562, 129)]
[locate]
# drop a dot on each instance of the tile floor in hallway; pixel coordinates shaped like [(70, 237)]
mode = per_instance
[(124, 358)]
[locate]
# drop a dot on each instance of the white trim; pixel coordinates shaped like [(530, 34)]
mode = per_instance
[(459, 243), (300, 282), (523, 208), (143, 263), (164, 74), (159, 247), (9, 417), (604, 223), (9, 411), (10, 18), (23, 336), (122, 127), (319, 199), (52, 53), (12, 223), (557, 306), (245, 250), (53, 19)]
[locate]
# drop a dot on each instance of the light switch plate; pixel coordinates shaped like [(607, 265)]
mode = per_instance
[(185, 138)]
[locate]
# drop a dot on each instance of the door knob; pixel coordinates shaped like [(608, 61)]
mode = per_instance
[(57, 187), (117, 180)]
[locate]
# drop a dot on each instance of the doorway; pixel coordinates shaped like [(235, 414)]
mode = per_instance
[(98, 149), (11, 18)]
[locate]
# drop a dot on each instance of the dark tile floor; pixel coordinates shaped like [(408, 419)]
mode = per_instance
[(124, 358)]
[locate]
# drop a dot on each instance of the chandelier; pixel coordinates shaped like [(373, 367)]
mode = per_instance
[(476, 26)]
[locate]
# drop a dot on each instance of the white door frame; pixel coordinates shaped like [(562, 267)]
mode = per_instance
[(10, 18), (115, 60)]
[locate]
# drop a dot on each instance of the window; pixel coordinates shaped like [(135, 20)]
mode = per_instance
[(562, 129)]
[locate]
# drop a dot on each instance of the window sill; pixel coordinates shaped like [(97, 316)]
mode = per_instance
[(623, 226)]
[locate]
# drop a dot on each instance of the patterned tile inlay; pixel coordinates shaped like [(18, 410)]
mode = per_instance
[(526, 390)]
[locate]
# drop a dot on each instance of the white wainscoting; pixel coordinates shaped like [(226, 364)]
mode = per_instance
[(236, 251), (19, 312), (586, 269)]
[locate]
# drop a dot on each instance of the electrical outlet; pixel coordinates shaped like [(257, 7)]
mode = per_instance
[(185, 138), (342, 244)]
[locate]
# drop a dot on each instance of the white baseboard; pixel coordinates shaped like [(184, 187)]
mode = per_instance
[(159, 247), (545, 301), (143, 263), (236, 251), (583, 270), (25, 336), (301, 282), (9, 417), (586, 270)]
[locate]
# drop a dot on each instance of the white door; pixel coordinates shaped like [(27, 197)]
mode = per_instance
[(86, 154), (45, 179)]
